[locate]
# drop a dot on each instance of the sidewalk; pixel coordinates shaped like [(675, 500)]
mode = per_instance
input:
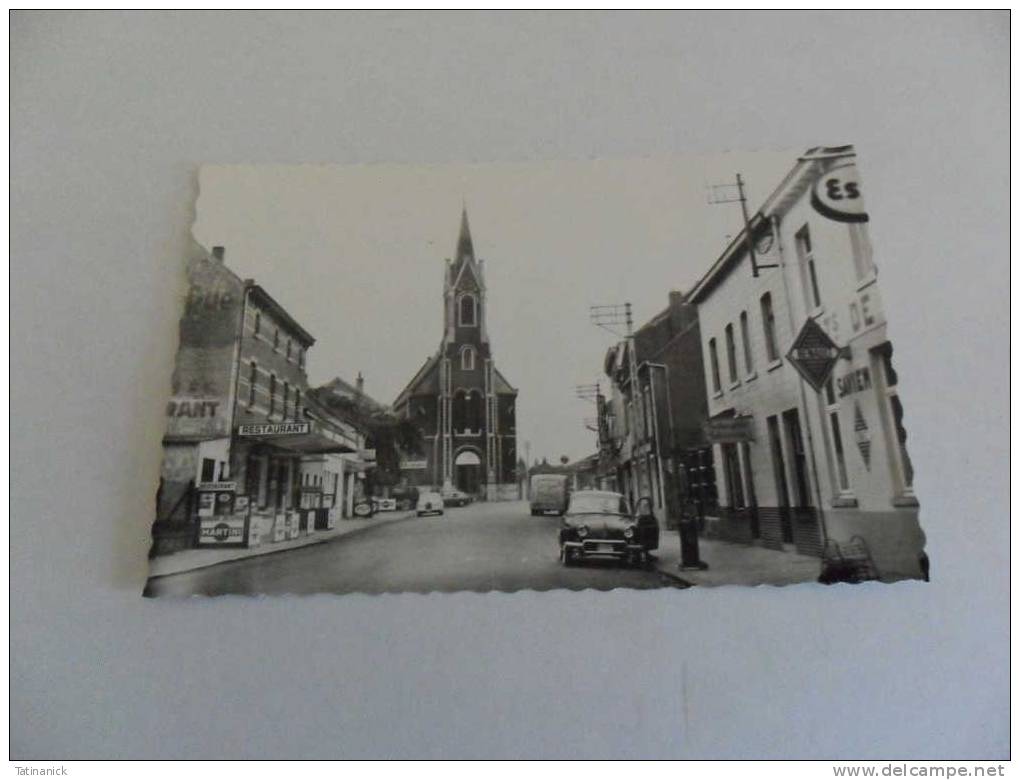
[(736, 564), (189, 560)]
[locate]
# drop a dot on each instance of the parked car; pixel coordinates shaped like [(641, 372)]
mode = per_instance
[(429, 504), (549, 493), (599, 523), (454, 497), (407, 497)]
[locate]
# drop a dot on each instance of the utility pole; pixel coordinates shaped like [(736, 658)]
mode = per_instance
[(527, 469), (592, 393)]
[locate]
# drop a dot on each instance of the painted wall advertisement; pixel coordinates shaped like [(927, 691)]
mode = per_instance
[(202, 379)]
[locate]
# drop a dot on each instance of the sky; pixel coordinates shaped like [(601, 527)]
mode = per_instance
[(356, 255)]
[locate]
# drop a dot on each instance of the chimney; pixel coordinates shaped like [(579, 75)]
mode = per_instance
[(360, 384), (218, 252)]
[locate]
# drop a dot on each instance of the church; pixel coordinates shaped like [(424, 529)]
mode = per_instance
[(461, 403)]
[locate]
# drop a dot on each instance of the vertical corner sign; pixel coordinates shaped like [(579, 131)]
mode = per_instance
[(837, 195), (814, 355)]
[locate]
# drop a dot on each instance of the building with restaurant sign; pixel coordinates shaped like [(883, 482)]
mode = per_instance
[(804, 415), (459, 400), (249, 458)]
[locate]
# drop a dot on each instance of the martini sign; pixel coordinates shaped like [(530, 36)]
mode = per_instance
[(814, 355)]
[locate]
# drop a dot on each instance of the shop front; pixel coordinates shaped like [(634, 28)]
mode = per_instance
[(289, 477)]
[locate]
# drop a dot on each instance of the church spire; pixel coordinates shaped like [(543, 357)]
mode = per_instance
[(465, 248)]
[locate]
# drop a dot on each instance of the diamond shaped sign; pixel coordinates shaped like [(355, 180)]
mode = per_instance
[(814, 354)]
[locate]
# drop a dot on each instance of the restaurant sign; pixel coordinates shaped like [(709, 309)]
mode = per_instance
[(273, 429), (814, 355)]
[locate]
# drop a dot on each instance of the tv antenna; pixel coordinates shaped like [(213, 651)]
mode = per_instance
[(734, 193)]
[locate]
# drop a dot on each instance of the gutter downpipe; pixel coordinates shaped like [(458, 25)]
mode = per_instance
[(774, 220), (655, 428)]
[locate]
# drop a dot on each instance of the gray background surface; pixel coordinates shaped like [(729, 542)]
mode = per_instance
[(112, 114)]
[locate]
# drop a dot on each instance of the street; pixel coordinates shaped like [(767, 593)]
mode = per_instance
[(481, 547)]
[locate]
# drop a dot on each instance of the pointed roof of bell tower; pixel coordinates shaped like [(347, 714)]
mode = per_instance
[(465, 268), (465, 249)]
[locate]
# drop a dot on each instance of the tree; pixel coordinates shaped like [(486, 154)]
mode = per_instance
[(391, 438)]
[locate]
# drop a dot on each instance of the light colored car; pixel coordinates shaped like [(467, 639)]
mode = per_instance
[(429, 504)]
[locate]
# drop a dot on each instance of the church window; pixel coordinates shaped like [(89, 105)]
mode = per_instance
[(459, 411), (474, 411), (468, 311), (467, 359)]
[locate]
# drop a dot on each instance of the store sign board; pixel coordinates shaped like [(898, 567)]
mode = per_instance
[(837, 195), (412, 465), (230, 486), (273, 429), (222, 530), (814, 355), (729, 430)]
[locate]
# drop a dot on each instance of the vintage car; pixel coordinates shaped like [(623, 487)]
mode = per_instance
[(429, 504), (454, 497), (599, 523)]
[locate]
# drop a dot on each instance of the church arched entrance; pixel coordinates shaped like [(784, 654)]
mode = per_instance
[(467, 471)]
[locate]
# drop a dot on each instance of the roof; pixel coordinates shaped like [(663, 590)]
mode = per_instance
[(415, 385), (502, 386), (340, 388), (264, 299)]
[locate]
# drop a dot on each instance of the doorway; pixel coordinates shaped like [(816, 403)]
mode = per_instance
[(467, 471), (779, 472)]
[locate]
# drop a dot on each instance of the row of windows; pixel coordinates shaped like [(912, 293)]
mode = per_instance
[(861, 252), (274, 387), (768, 320), (291, 351)]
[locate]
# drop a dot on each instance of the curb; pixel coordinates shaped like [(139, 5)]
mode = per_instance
[(675, 577), (270, 551)]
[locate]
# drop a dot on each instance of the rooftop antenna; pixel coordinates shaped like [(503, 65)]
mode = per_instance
[(734, 193)]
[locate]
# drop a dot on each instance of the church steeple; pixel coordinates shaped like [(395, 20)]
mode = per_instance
[(465, 249)]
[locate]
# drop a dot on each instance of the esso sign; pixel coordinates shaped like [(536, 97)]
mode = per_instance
[(837, 195)]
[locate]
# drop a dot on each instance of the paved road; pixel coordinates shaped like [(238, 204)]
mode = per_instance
[(497, 546)]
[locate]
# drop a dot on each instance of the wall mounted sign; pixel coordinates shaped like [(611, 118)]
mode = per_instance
[(230, 486), (411, 465), (222, 530), (729, 430), (837, 195), (814, 355), (273, 429)]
